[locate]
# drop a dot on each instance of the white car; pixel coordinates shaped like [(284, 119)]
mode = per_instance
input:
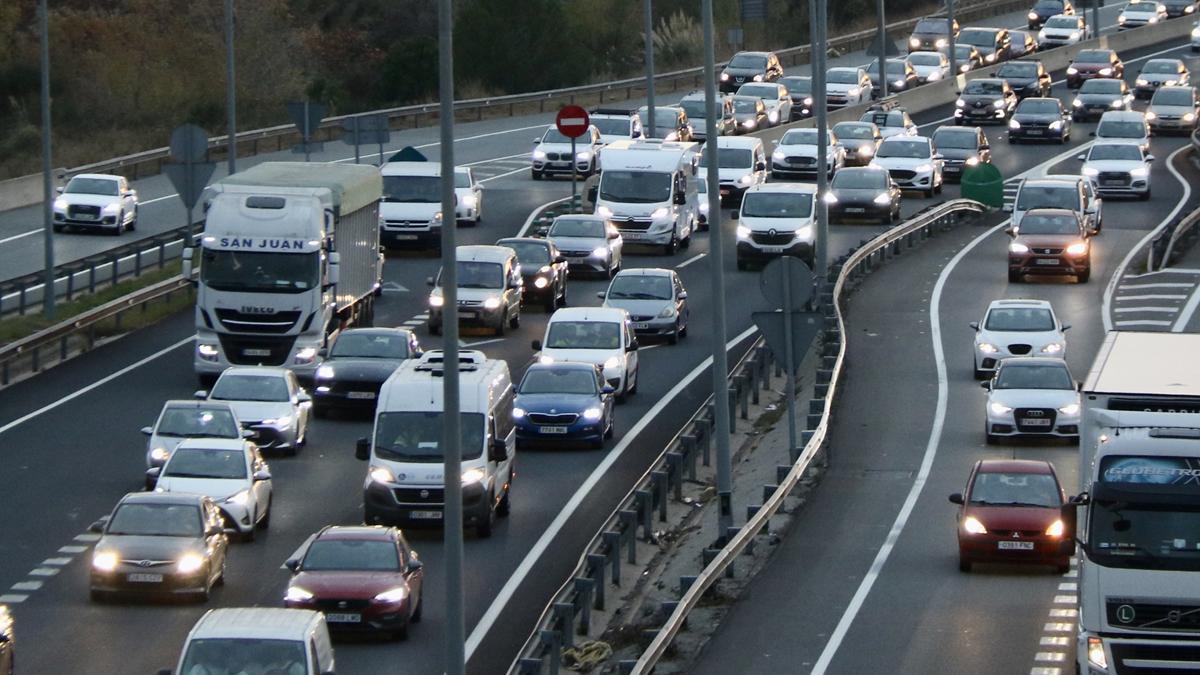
[(1141, 13), (552, 154), (1121, 169), (893, 122), (774, 96), (589, 242), (1017, 328), (1195, 38), (930, 66), (1173, 109), (468, 195), (1063, 29), (1161, 73), (230, 472), (181, 420), (1032, 396), (616, 124), (847, 86), (600, 335), (1124, 126), (913, 163), (268, 401), (796, 154), (96, 201)]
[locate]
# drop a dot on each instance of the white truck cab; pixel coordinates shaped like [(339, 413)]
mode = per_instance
[(741, 164), (648, 190), (776, 219), (257, 639), (410, 213)]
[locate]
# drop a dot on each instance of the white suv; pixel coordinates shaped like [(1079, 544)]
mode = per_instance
[(1016, 328), (913, 162), (96, 201)]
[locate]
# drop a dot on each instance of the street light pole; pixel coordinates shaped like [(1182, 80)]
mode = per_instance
[(816, 10), (48, 290), (648, 21), (883, 82), (230, 90), (950, 40)]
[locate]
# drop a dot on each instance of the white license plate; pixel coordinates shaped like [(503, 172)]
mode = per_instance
[(724, 192), (628, 236), (367, 395), (1035, 422), (405, 237), (773, 249), (1034, 132), (143, 578), (256, 352), (1016, 545), (641, 326), (466, 315), (354, 617), (425, 515), (855, 209), (1047, 261), (1114, 182), (552, 430)]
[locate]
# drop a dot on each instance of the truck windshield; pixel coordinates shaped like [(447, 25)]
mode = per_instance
[(412, 189), (260, 272), (1145, 513), (244, 655), (417, 436), (638, 187)]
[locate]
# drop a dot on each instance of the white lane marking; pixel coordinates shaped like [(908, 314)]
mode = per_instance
[(1058, 627), (1158, 285), (84, 390), (496, 159), (1189, 308), (529, 221), (158, 199), (26, 586), (1171, 270), (1054, 641), (1050, 657), (57, 561), (72, 549), (690, 260), (1123, 298), (23, 234), (1063, 613), (1106, 302), (1141, 322), (43, 571), (1068, 586), (1065, 599), (13, 598), (1167, 310), (503, 175), (568, 510), (87, 536), (413, 322), (422, 316), (482, 342), (1042, 670), (1072, 574)]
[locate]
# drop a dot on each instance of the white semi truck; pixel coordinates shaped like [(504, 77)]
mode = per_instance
[(1139, 510), (289, 256)]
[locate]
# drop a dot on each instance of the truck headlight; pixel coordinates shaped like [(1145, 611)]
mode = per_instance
[(305, 355), (207, 352), (436, 301), (1052, 348), (743, 232), (660, 212), (475, 475), (491, 303), (381, 474), (592, 414), (325, 372), (971, 525), (190, 562), (612, 362), (805, 232), (1096, 655), (105, 561), (604, 211), (1070, 409)]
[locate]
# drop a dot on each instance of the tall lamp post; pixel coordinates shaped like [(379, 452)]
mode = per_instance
[(48, 291)]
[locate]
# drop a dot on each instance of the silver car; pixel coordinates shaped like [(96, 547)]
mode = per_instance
[(655, 299), (268, 401), (588, 242), (181, 420)]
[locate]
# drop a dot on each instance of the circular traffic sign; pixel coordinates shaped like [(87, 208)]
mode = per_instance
[(572, 121)]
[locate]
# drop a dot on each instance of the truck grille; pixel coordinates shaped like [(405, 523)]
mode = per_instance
[(1156, 617), (561, 419), (429, 495), (279, 322), (1154, 658), (251, 351), (1035, 420), (768, 239)]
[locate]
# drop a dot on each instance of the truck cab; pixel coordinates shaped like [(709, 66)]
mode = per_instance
[(410, 213), (648, 190)]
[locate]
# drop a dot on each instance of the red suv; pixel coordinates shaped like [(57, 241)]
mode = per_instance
[(1011, 513), (1049, 241), (364, 578)]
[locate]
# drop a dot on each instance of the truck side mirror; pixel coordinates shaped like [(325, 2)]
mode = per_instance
[(593, 191), (186, 258), (334, 272), (498, 451), (1067, 513), (956, 498), (362, 449)]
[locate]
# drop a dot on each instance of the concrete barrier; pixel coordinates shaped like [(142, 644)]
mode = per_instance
[(16, 193)]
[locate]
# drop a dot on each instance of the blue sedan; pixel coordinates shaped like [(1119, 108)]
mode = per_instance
[(564, 402)]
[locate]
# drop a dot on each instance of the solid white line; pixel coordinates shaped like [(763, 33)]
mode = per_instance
[(13, 598), (1123, 298), (690, 260), (503, 175), (543, 543), (1159, 285), (1166, 310), (1142, 322), (158, 199), (84, 390), (495, 159), (23, 234), (529, 220), (1189, 308), (1172, 270)]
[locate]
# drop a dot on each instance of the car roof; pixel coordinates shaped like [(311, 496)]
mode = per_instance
[(411, 169), (522, 240), (372, 532), (1124, 115), (747, 142), (1052, 212), (783, 188), (107, 176), (579, 216), (377, 330), (589, 314), (194, 404), (747, 53), (483, 253), (208, 443), (851, 68), (1014, 466), (1058, 180), (255, 623), (1018, 303), (161, 498), (255, 370), (906, 139), (562, 365), (871, 168), (645, 272)]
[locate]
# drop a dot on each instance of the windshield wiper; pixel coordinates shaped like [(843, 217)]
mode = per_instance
[(191, 475)]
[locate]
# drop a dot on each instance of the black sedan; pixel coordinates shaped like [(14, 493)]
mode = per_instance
[(961, 147), (357, 364), (1044, 9), (543, 269), (1098, 96), (985, 100), (1027, 78), (900, 75), (863, 193), (1040, 119)]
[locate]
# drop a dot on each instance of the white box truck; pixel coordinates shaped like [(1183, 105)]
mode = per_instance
[(648, 190), (1139, 511), (289, 256)]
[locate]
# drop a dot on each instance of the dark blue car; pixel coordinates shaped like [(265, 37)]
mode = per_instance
[(564, 402)]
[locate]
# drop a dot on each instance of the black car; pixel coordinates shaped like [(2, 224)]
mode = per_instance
[(800, 89), (1179, 7), (960, 148), (863, 193), (1021, 44), (357, 364), (931, 34), (992, 43), (1044, 9), (966, 57), (1040, 118), (543, 269), (1027, 78), (900, 75), (988, 99), (750, 67), (860, 140), (1098, 96)]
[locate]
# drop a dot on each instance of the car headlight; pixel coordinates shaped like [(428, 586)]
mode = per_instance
[(1143, 81), (778, 154), (112, 209), (1013, 124), (539, 154), (1074, 35), (545, 359), (935, 75), (600, 252), (60, 204), (773, 115), (743, 232), (1089, 171), (964, 67), (583, 155), (829, 198), (998, 103), (1033, 16), (1140, 172), (592, 414), (540, 282), (105, 561), (883, 199), (758, 77), (1187, 117), (971, 525), (1070, 409), (914, 42), (749, 124), (392, 595), (1077, 103), (805, 232), (436, 301), (475, 475), (960, 103), (190, 562), (854, 91), (940, 43), (724, 77), (1072, 70), (491, 303), (1196, 32), (1078, 248), (1018, 247), (987, 348), (899, 83), (1056, 125), (381, 474), (972, 161), (999, 408), (1056, 529), (604, 211), (922, 168), (612, 362), (297, 594), (1052, 348), (437, 218), (1120, 18), (518, 413), (990, 58), (667, 312), (1106, 71), (278, 422), (1117, 103), (660, 212), (159, 454), (746, 180), (808, 100), (305, 355), (241, 498), (325, 372), (469, 201), (704, 206), (1153, 19)]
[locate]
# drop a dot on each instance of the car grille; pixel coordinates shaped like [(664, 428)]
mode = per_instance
[(575, 254), (1019, 350), (1139, 658), (1047, 251), (558, 156), (1034, 126), (802, 161), (768, 239), (1147, 616), (279, 322), (633, 224), (1169, 118), (406, 224), (640, 317), (1110, 178), (561, 419), (328, 605), (902, 174), (429, 495), (77, 210), (147, 564), (249, 351), (1028, 418), (982, 104)]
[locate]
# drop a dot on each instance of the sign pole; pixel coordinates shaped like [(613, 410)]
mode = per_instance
[(574, 175), (883, 81), (950, 39), (307, 136), (648, 27), (230, 90), (48, 290)]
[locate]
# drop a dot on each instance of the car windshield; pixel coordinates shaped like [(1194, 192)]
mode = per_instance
[(858, 130), (906, 149), (745, 105), (613, 126), (462, 179), (764, 91), (235, 387), (1038, 106), (1020, 320), (984, 88), (553, 135), (1049, 6), (1018, 70), (1161, 67), (695, 108), (841, 76), (582, 227), (530, 254), (197, 423), (1037, 223), (1101, 86), (206, 463), (777, 205), (156, 520), (329, 554), (243, 655), (1063, 22), (641, 287), (730, 158), (925, 59), (559, 381), (248, 271), (977, 37), (859, 180), (748, 61), (1028, 376), (417, 436), (664, 118), (936, 26), (894, 118), (371, 346), (798, 85), (948, 137), (92, 186), (1170, 96), (1015, 489), (1148, 7), (584, 335), (799, 137), (1115, 129), (893, 68), (412, 189), (639, 187), (1092, 56), (1065, 197), (1126, 151)]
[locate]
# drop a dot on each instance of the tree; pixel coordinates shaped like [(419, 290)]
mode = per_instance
[(518, 46)]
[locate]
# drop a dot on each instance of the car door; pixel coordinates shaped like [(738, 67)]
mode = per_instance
[(681, 307), (631, 356), (413, 574), (503, 428), (261, 488), (127, 195), (476, 190), (299, 405)]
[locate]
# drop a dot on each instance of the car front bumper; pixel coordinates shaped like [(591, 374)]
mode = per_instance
[(747, 250), (581, 430), (986, 548), (1049, 423), (421, 236), (473, 316), (171, 583), (336, 393), (403, 505), (372, 616), (1048, 264)]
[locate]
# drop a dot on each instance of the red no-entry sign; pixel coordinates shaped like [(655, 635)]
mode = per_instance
[(572, 121)]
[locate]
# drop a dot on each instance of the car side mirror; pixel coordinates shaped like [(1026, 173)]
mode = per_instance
[(249, 434), (679, 198), (262, 475), (323, 352), (974, 324), (59, 189), (536, 141), (956, 498), (428, 281), (1149, 158), (607, 389), (362, 449), (1092, 134), (600, 294), (147, 431), (200, 394), (593, 191), (735, 215), (414, 565), (1081, 157), (1079, 387), (985, 146), (292, 564), (98, 526), (632, 346), (303, 397), (153, 473), (499, 451), (986, 385), (682, 295), (1066, 327), (1010, 231), (536, 345)]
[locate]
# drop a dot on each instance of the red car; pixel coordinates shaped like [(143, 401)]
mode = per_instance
[(364, 578), (1011, 514)]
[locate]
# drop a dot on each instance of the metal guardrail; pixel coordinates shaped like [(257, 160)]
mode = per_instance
[(1179, 235), (79, 334)]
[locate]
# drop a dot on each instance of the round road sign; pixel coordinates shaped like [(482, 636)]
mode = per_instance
[(572, 121)]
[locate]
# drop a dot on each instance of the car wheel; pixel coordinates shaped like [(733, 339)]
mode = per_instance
[(612, 425), (1014, 277), (1083, 276), (435, 329), (133, 221), (400, 634), (1063, 569), (483, 527), (741, 265), (938, 188), (499, 326), (673, 338), (672, 246), (504, 507), (1145, 196), (536, 175)]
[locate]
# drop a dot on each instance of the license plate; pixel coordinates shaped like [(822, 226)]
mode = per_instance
[(855, 209), (1016, 545), (256, 352), (552, 430), (1035, 422), (629, 236), (641, 326), (1047, 261), (425, 515), (142, 578), (405, 237), (466, 315), (1034, 132), (1114, 182), (344, 618), (772, 249), (724, 192), (368, 395)]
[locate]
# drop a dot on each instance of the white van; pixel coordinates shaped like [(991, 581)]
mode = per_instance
[(410, 213), (776, 219), (490, 289), (648, 190), (741, 164), (600, 335), (257, 640), (404, 483)]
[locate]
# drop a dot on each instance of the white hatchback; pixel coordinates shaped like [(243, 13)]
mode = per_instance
[(1032, 396), (1016, 328), (232, 473), (600, 335)]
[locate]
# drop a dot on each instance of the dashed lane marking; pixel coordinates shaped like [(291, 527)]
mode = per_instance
[(1043, 670), (1059, 627), (72, 549), (1156, 285), (87, 536), (43, 572), (26, 585), (13, 598), (1142, 322), (1068, 586), (57, 561), (1064, 613), (690, 260), (1055, 641), (1126, 298), (1161, 310), (1050, 657), (1065, 600)]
